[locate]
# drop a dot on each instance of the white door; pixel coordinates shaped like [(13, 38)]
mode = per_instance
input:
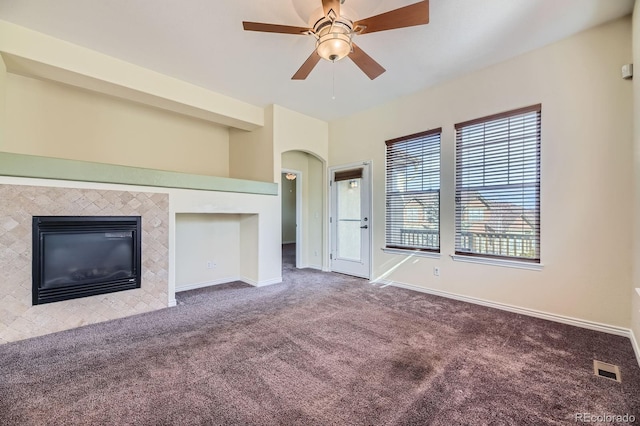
[(350, 220)]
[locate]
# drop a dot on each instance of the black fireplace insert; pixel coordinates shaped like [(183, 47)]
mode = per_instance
[(80, 256)]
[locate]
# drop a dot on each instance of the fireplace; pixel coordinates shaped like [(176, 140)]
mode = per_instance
[(80, 256)]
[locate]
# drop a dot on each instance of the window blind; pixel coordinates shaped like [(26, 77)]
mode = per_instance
[(498, 185), (413, 191)]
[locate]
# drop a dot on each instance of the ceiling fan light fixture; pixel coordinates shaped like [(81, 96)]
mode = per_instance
[(334, 42)]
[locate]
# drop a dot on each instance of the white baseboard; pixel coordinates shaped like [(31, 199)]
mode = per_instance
[(318, 267), (262, 283), (172, 303), (289, 242), (207, 284), (591, 325)]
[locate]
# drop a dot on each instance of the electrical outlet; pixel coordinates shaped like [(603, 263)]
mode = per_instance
[(436, 271), (315, 253), (210, 264)]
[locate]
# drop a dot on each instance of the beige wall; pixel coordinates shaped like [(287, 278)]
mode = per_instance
[(55, 120), (251, 154), (307, 139), (3, 86), (586, 175), (635, 295), (207, 238), (288, 196), (31, 53)]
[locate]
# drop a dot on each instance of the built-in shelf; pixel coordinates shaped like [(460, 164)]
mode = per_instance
[(31, 166)]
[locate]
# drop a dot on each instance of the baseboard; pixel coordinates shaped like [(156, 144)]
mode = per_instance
[(172, 303), (207, 284), (262, 283), (318, 267), (289, 242), (591, 325)]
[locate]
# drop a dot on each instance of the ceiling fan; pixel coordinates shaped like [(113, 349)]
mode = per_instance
[(334, 34)]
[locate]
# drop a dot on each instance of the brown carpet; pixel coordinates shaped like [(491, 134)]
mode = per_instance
[(318, 349)]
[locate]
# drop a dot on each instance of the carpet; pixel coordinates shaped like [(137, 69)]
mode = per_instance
[(318, 349)]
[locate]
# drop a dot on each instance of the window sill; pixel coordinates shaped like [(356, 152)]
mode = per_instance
[(498, 262), (416, 253)]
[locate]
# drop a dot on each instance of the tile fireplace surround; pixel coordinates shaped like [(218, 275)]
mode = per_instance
[(18, 203)]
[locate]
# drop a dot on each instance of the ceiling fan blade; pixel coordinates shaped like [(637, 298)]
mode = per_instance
[(328, 5), (307, 67), (366, 63), (408, 16), (274, 28)]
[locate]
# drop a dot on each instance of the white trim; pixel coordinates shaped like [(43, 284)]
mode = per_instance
[(172, 303), (412, 253), (318, 267), (263, 283), (638, 291), (591, 325), (635, 345), (206, 284), (498, 262)]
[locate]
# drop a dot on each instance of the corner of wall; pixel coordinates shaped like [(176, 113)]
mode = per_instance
[(635, 284)]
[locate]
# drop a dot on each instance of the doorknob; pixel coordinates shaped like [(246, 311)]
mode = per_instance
[(364, 227)]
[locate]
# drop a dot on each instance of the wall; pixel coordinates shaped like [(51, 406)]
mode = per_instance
[(18, 203), (3, 90), (288, 195), (207, 249), (635, 284), (586, 175), (55, 120), (302, 143), (29, 52), (251, 154)]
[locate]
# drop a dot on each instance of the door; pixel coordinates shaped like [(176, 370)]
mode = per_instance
[(350, 220)]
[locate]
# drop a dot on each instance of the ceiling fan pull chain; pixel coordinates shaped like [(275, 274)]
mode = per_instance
[(333, 90)]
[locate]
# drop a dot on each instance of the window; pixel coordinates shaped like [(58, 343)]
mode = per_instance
[(498, 185), (413, 192)]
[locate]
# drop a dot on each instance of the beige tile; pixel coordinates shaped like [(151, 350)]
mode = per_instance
[(18, 319)]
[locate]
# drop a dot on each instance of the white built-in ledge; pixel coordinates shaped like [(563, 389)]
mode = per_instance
[(32, 166)]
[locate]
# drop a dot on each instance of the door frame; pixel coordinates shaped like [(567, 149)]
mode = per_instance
[(298, 174), (368, 188)]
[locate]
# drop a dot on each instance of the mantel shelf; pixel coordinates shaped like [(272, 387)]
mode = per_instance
[(31, 166)]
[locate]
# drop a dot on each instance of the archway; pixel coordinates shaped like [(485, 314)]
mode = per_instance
[(309, 207)]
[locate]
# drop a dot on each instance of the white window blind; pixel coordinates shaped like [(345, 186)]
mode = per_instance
[(413, 192), (498, 185)]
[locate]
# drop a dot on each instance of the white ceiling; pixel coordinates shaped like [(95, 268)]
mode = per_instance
[(202, 42)]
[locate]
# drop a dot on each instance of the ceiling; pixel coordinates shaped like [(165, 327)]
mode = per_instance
[(202, 42)]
